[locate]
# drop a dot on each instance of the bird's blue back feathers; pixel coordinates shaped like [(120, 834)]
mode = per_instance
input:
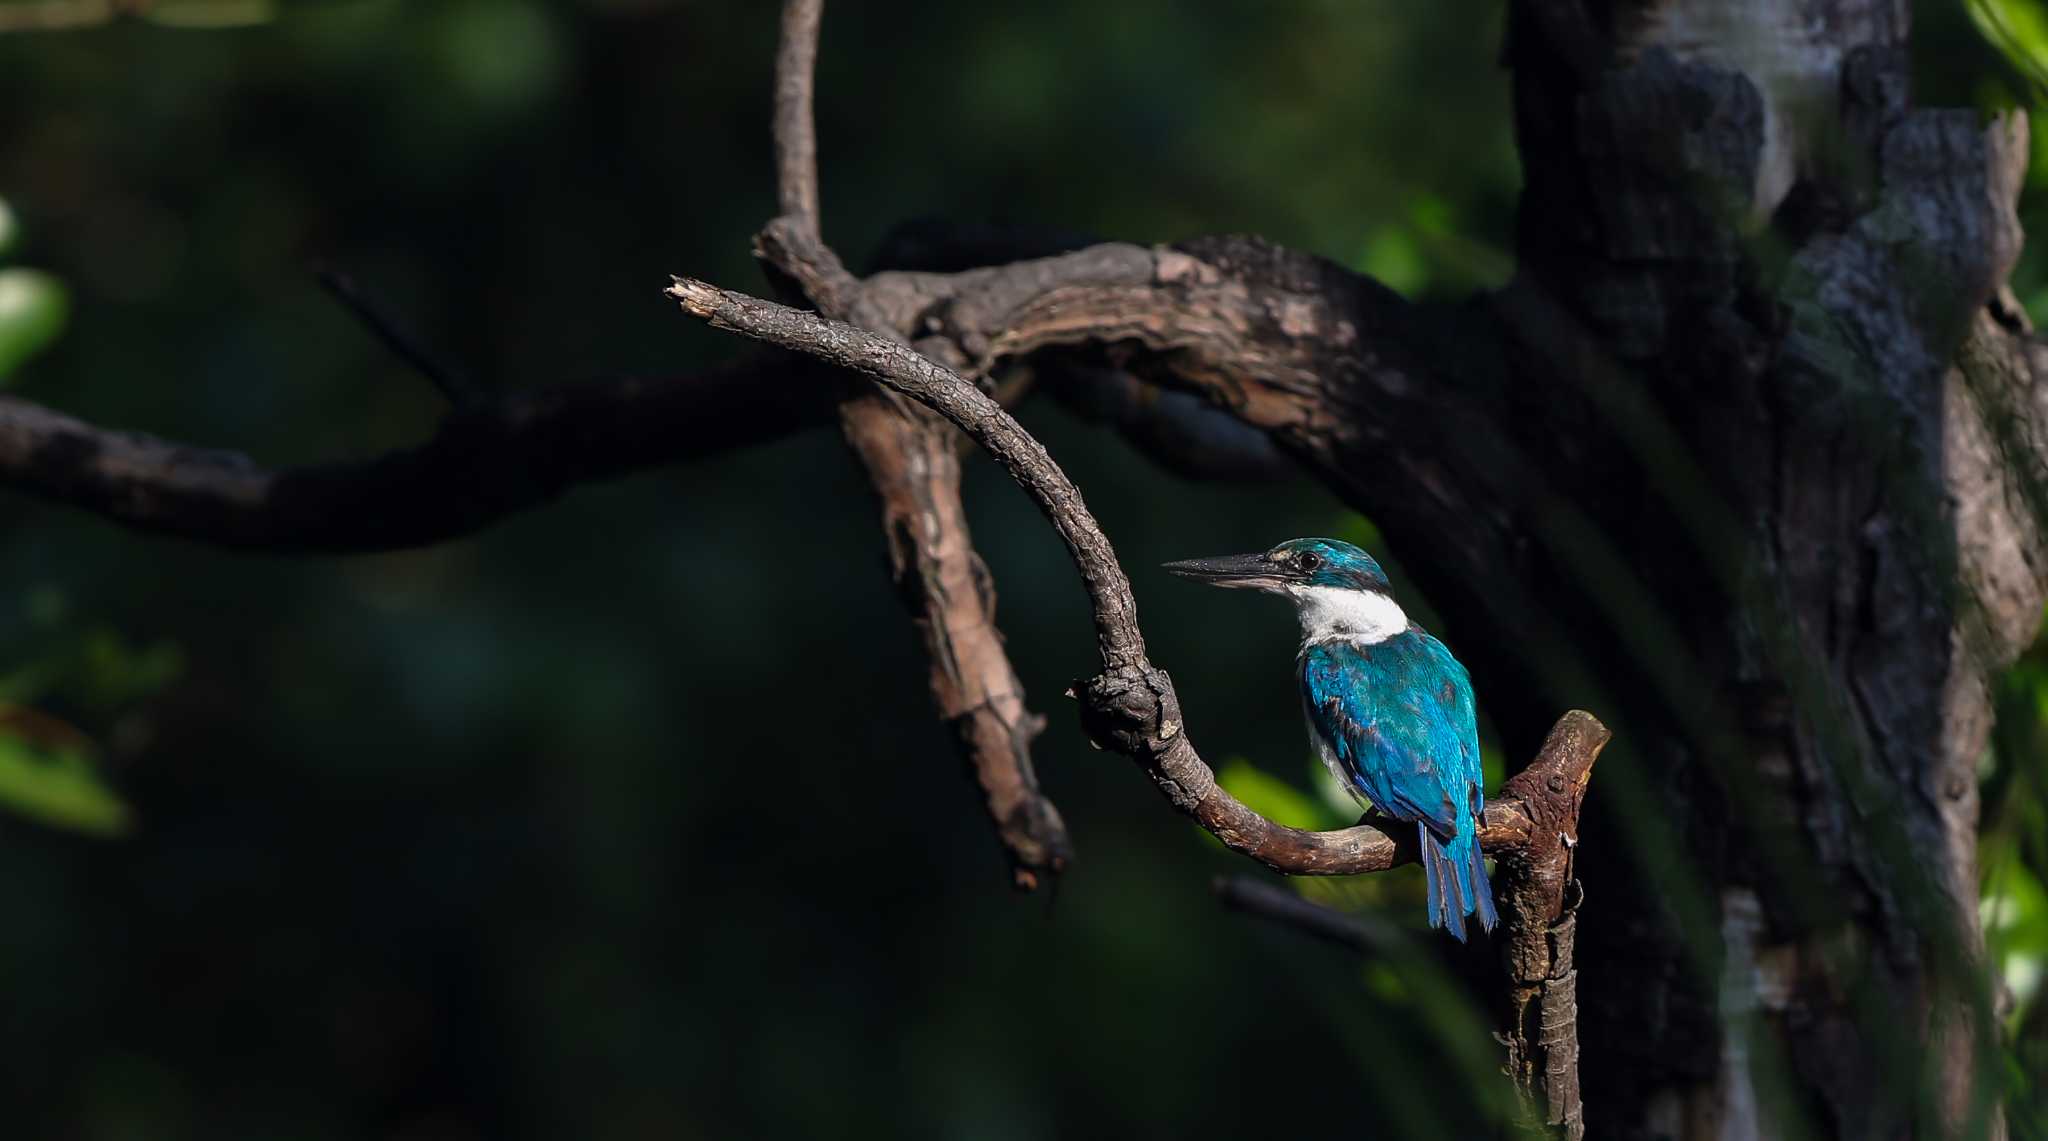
[(1397, 722)]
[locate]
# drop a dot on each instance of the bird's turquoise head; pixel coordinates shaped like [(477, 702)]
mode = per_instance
[(1291, 566)]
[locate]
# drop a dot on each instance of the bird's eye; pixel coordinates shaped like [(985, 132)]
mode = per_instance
[(1308, 561)]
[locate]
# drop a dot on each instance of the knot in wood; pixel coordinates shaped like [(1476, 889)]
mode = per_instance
[(1131, 709)]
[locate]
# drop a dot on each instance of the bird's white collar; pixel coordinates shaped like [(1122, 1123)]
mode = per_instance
[(1329, 613)]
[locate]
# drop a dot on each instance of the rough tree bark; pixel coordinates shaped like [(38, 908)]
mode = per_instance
[(1749, 456), (1741, 245)]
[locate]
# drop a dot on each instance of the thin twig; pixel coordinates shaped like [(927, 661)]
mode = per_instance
[(453, 384), (796, 136)]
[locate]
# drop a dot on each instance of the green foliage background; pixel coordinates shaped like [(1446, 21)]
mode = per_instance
[(628, 817)]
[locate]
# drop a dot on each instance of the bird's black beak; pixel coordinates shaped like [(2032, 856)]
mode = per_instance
[(1256, 572)]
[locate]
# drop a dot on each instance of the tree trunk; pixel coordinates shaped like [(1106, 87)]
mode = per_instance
[(1771, 497)]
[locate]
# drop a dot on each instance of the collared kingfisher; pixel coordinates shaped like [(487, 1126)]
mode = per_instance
[(1389, 709)]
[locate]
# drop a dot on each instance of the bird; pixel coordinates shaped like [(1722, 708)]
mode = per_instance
[(1390, 710)]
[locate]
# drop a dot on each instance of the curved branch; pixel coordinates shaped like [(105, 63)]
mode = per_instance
[(483, 463), (1286, 341), (1131, 706), (1397, 406)]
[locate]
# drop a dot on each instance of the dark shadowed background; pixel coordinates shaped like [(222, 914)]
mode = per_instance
[(630, 817)]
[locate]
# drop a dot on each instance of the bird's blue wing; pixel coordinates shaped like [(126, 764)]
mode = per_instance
[(1398, 717)]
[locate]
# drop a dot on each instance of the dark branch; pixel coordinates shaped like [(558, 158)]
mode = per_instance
[(1363, 933), (1131, 707), (480, 465), (1178, 430)]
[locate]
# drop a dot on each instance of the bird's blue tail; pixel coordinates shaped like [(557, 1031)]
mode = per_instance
[(1456, 875)]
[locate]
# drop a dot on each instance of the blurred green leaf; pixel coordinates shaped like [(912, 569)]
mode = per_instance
[(1431, 215), (2015, 918), (1273, 798), (2019, 30), (1392, 257), (10, 230), (33, 307), (2017, 915), (1384, 983), (48, 773), (1357, 530)]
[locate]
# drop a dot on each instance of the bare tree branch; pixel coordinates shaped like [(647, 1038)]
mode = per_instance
[(1363, 933), (795, 130), (912, 462), (482, 464), (1179, 430)]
